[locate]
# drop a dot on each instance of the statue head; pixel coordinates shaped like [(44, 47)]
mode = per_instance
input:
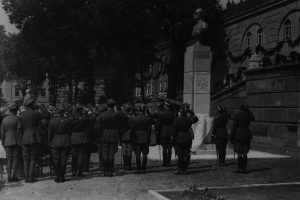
[(198, 14), (200, 24)]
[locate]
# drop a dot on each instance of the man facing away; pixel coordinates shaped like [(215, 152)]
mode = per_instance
[(182, 139), (220, 133), (241, 136), (80, 139), (11, 133), (31, 138), (59, 140), (165, 124), (108, 121), (141, 126)]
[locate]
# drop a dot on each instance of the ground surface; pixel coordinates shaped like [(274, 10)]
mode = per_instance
[(127, 185), (291, 192)]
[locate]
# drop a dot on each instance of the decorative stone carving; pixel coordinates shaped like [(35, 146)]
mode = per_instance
[(255, 61)]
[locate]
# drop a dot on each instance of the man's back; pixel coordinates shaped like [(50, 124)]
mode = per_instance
[(11, 130)]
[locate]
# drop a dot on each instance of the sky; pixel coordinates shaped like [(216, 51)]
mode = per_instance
[(12, 29)]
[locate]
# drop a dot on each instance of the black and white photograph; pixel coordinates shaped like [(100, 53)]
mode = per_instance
[(149, 99)]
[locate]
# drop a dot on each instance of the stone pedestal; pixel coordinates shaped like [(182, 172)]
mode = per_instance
[(197, 69)]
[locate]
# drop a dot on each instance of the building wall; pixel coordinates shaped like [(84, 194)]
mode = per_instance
[(273, 95), (271, 21), (157, 78), (10, 93)]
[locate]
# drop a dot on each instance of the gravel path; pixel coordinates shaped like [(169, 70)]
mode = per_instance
[(132, 186)]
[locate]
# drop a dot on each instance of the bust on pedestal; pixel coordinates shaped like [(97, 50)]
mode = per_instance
[(197, 69)]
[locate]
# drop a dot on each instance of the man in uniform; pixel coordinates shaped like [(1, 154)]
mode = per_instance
[(110, 137), (220, 134), (126, 137), (31, 137), (80, 138), (194, 119), (182, 139), (241, 136), (141, 127), (11, 133), (165, 127), (99, 134), (59, 140)]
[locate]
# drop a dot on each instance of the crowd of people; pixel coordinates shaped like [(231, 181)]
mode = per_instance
[(80, 130)]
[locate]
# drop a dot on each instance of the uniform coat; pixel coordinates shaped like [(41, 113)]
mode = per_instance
[(141, 127), (59, 140), (165, 123), (109, 122), (59, 132), (241, 134), (182, 139), (11, 131), (31, 121), (220, 133), (181, 134)]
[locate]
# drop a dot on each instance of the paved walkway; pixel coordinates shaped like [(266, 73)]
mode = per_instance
[(128, 185), (210, 154)]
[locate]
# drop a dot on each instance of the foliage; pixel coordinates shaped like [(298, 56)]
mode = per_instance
[(72, 41), (195, 194)]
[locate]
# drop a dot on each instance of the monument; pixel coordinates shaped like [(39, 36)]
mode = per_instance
[(197, 68), (196, 92)]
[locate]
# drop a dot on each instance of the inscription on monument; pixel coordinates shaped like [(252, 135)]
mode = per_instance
[(202, 83)]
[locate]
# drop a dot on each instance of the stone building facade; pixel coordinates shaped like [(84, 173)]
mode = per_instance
[(271, 89), (10, 92), (157, 77), (271, 25)]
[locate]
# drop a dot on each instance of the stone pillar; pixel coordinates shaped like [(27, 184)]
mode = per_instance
[(197, 69)]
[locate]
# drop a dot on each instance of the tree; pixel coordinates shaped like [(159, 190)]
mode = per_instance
[(53, 32), (176, 24), (72, 40)]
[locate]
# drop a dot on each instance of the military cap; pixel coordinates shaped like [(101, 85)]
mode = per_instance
[(13, 107), (167, 103), (102, 107), (111, 102)]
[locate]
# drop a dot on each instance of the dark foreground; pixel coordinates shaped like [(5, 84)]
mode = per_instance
[(128, 185)]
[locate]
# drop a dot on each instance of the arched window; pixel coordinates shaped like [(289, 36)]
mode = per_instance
[(249, 37), (166, 86), (260, 37), (287, 29), (160, 87), (151, 88), (147, 90), (299, 26)]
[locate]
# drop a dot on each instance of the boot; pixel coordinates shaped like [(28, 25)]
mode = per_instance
[(179, 167), (110, 168), (144, 164), (32, 169), (26, 171), (105, 171), (129, 162), (169, 156), (125, 160), (165, 155), (244, 165), (138, 165), (240, 165)]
